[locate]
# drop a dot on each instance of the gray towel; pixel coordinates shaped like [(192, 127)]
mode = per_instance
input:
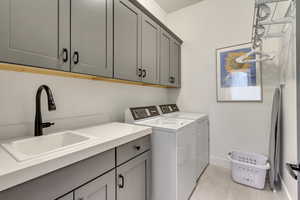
[(274, 143)]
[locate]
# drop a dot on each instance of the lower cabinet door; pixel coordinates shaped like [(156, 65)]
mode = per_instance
[(67, 197), (134, 179), (103, 188)]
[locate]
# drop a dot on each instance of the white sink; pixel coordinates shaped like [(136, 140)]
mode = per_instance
[(38, 146)]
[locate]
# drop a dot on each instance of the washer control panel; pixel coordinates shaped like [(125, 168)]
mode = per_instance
[(144, 112), (169, 108)]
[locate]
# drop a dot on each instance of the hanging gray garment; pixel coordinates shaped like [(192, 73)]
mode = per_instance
[(274, 143)]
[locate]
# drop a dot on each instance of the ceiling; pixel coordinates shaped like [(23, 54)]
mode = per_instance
[(173, 5)]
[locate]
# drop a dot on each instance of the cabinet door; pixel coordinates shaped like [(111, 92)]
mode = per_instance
[(134, 179), (66, 197), (127, 41), (150, 50), (102, 188), (175, 64), (165, 57), (35, 33), (92, 34)]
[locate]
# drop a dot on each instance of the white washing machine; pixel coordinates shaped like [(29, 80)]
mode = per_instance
[(172, 159), (202, 134)]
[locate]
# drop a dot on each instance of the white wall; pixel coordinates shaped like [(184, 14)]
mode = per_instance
[(204, 27), (75, 98)]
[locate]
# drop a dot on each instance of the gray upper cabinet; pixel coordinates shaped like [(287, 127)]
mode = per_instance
[(102, 188), (170, 60), (150, 50), (127, 45), (67, 197), (175, 64), (134, 179), (165, 57), (136, 44), (35, 33), (91, 40), (108, 38)]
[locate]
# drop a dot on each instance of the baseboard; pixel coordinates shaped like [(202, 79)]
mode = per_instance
[(284, 193), (218, 161)]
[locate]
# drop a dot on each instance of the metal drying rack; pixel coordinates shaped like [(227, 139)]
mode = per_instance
[(262, 22), (270, 21)]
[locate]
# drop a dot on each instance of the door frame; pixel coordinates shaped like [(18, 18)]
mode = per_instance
[(298, 88)]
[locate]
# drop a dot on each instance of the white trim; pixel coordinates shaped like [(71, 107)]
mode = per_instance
[(284, 190)]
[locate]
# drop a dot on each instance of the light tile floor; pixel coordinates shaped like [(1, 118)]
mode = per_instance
[(216, 184)]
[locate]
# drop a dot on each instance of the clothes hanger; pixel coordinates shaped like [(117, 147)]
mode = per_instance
[(254, 52)]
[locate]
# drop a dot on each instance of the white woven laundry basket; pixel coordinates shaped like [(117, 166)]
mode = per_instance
[(249, 168)]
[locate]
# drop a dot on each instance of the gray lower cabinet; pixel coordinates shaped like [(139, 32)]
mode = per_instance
[(26, 39), (170, 60), (127, 37), (92, 37), (55, 184), (67, 197), (133, 179), (99, 177), (102, 188), (132, 149)]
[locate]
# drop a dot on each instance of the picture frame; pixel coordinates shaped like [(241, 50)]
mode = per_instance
[(237, 82)]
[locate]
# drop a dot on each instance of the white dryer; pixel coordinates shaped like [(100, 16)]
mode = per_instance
[(172, 159), (202, 133)]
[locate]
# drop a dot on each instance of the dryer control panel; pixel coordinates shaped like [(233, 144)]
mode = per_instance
[(144, 112), (169, 108)]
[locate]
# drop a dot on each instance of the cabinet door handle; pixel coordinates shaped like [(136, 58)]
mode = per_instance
[(172, 79), (65, 55), (137, 147), (140, 72), (121, 177), (76, 57), (144, 73)]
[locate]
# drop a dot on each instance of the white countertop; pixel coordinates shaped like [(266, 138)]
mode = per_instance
[(107, 137)]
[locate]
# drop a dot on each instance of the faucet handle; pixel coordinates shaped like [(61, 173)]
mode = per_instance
[(47, 124)]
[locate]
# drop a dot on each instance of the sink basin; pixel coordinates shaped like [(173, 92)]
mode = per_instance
[(38, 146)]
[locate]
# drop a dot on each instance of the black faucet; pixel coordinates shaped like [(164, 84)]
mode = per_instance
[(38, 124)]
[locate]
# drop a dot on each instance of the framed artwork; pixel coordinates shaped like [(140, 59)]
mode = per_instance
[(237, 81)]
